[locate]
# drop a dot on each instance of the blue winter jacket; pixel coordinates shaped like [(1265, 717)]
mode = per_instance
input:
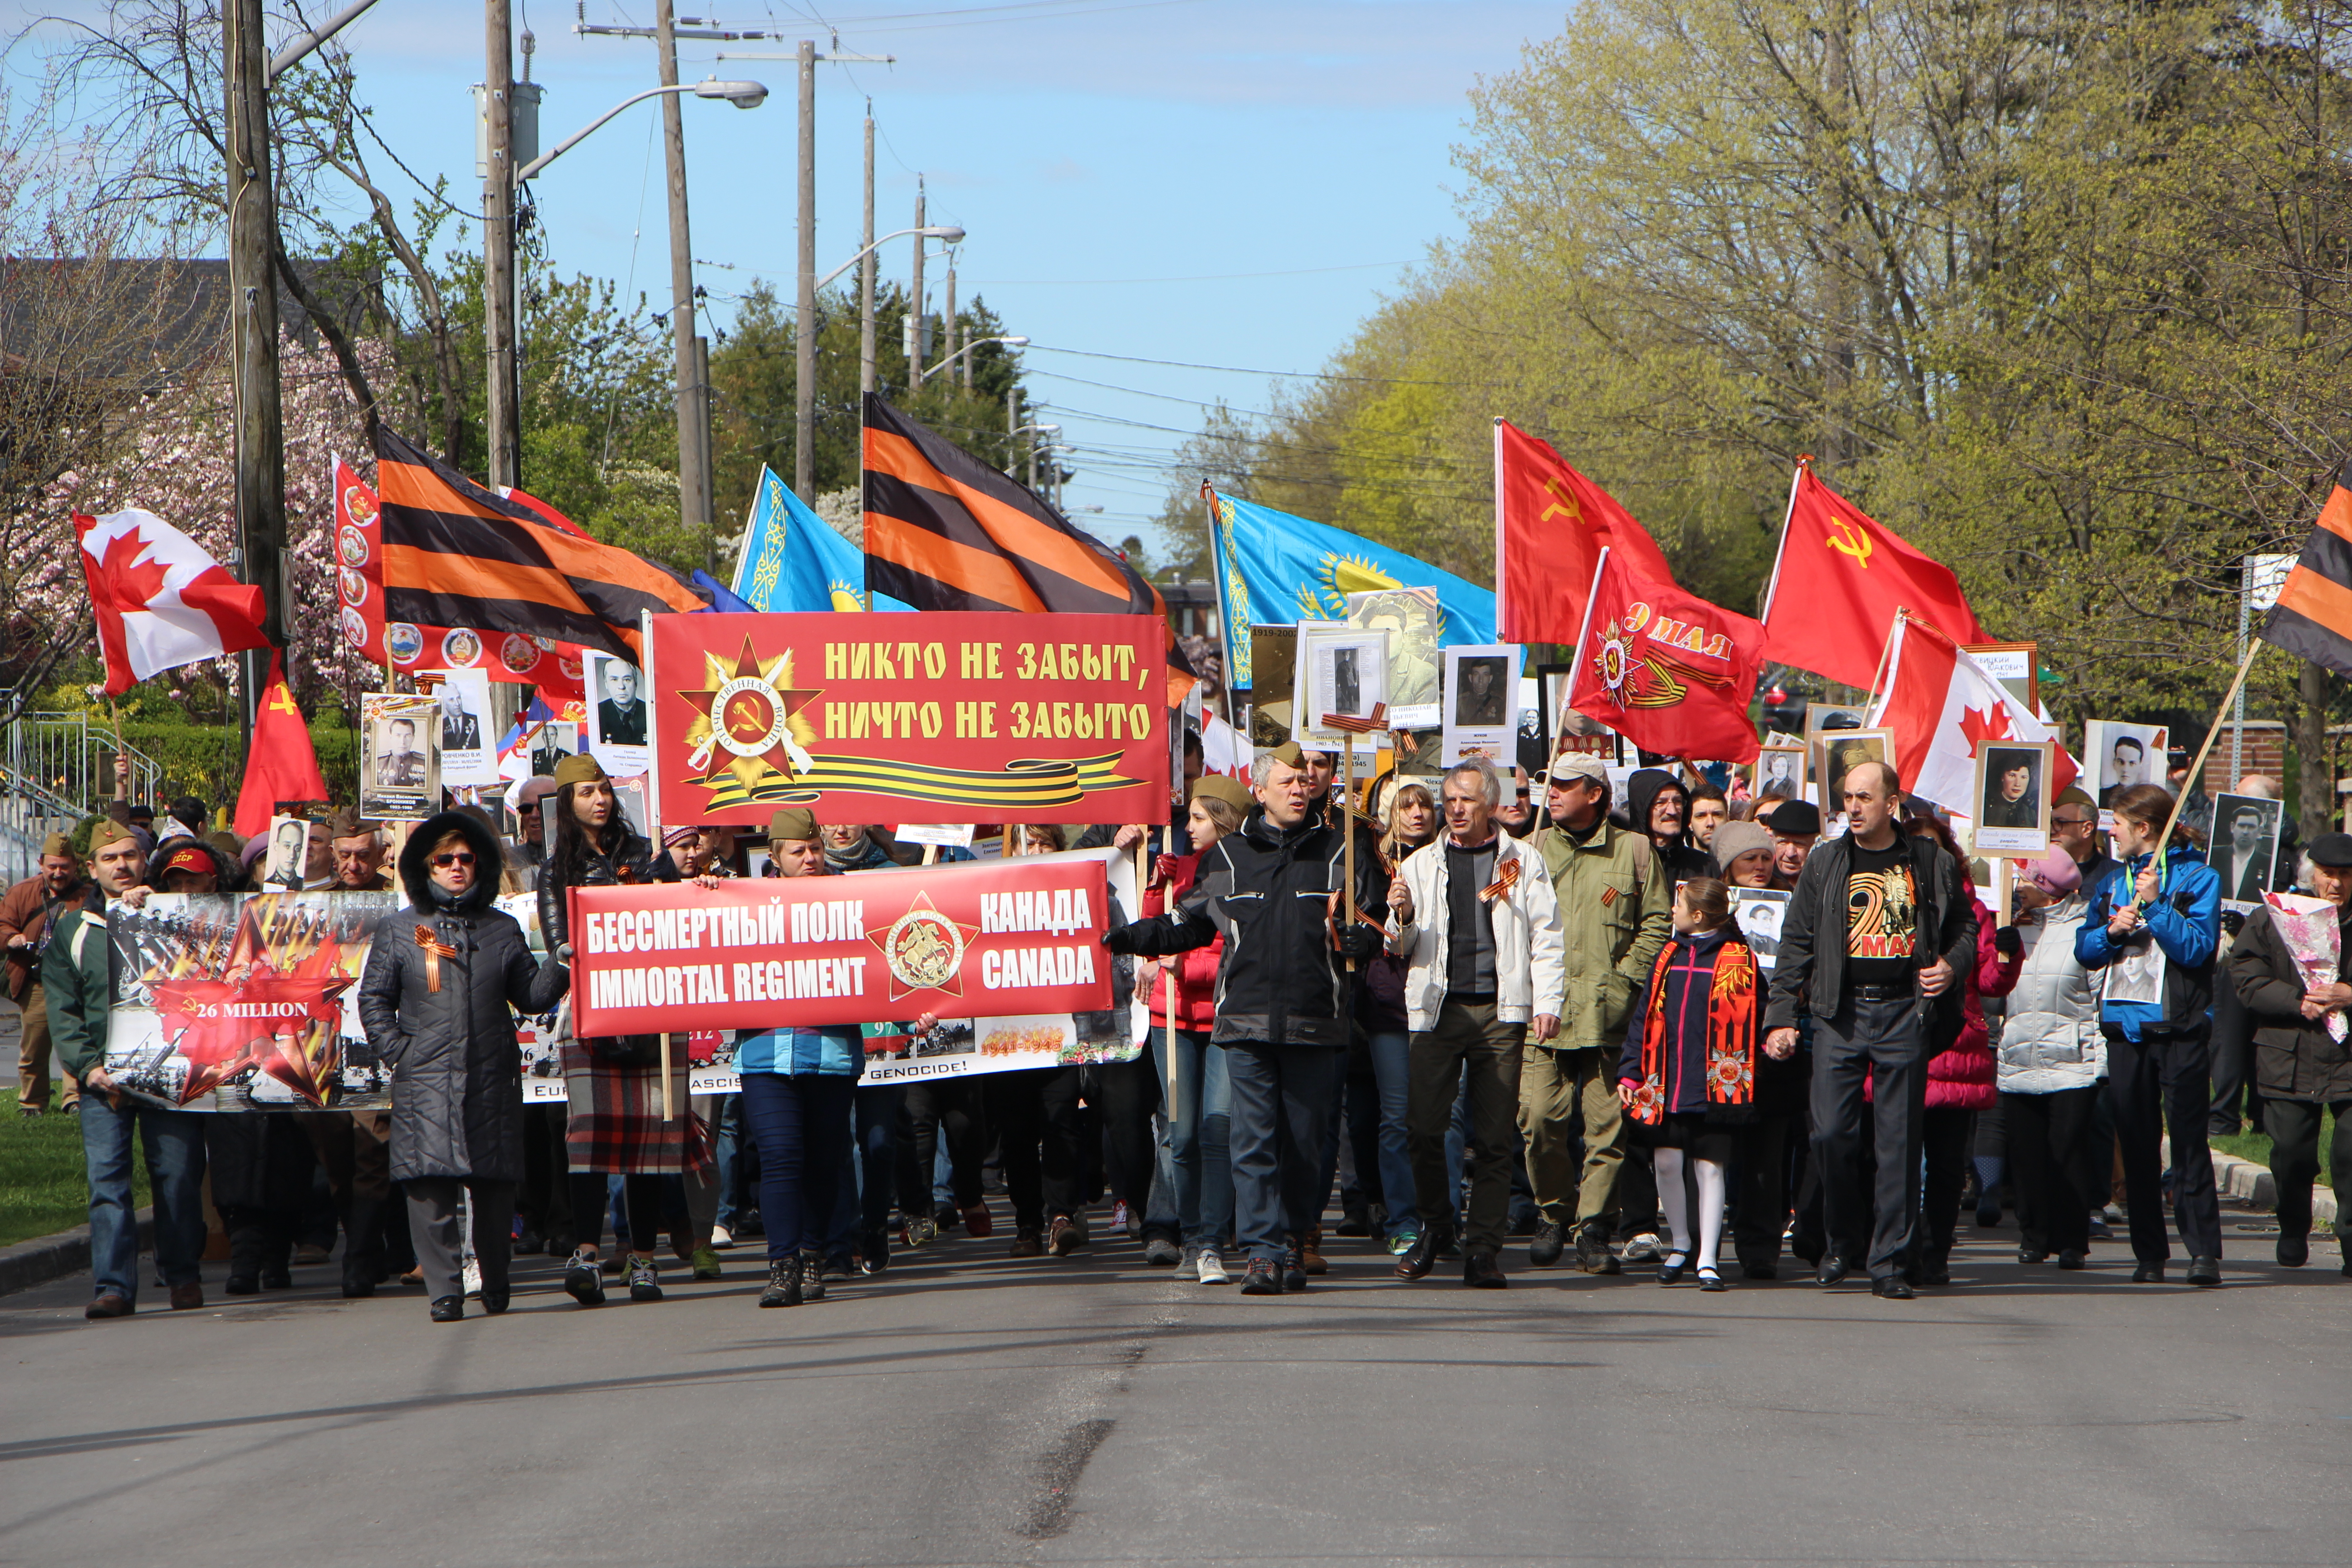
[(2184, 920)]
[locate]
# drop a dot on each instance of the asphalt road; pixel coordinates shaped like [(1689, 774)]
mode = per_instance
[(968, 1409)]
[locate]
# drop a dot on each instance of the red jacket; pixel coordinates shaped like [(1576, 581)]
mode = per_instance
[(1196, 972)]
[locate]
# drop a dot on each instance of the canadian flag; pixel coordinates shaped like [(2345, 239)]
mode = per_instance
[(161, 601), (1942, 705)]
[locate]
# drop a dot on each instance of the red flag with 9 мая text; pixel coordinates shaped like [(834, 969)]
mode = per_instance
[(1666, 669)]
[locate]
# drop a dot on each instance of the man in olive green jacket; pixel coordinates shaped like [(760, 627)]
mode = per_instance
[(1615, 912)]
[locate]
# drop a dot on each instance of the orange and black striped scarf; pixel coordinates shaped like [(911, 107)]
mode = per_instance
[(1731, 1018)]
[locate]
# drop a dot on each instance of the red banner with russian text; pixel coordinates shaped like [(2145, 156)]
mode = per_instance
[(972, 940), (944, 717)]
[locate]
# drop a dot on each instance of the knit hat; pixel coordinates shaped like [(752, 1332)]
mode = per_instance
[(792, 822), (2055, 874), (578, 770), (1217, 786), (678, 835), (1733, 839)]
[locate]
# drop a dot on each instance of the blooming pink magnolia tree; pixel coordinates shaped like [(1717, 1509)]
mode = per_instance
[(176, 459)]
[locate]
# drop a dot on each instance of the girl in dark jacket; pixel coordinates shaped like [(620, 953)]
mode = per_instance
[(613, 1124), (441, 978), (1689, 1072)]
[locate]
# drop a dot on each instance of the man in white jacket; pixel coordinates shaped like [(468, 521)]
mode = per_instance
[(1475, 917)]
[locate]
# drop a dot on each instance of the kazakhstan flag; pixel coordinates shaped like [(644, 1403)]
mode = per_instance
[(793, 560), (1272, 569)]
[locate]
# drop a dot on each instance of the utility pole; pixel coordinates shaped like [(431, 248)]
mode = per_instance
[(702, 401), (693, 479), (804, 334), (947, 321), (917, 339), (261, 433), (865, 270), (505, 419)]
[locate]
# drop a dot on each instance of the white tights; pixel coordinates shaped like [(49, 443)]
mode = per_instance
[(1668, 1164)]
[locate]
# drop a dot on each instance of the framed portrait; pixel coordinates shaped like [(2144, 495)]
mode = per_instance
[(1415, 626), (1780, 770), (1481, 716), (2121, 755), (400, 756), (618, 715), (470, 753), (1342, 671), (1274, 666), (1823, 717), (629, 797), (2012, 797), (1835, 754), (1758, 912), (2016, 665), (288, 862), (2244, 849)]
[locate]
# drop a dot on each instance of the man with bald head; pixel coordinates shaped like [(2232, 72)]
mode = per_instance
[(1882, 928)]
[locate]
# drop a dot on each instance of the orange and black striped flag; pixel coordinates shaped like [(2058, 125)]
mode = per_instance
[(946, 532), (455, 555), (2313, 617)]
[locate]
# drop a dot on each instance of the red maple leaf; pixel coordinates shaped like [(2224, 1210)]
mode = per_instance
[(123, 582), (1979, 728)]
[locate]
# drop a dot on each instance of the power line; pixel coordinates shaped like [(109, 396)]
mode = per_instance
[(1201, 278), (1242, 369)]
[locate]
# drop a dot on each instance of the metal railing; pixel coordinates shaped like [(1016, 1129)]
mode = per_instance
[(55, 770)]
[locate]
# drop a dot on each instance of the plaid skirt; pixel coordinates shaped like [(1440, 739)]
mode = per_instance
[(613, 1123)]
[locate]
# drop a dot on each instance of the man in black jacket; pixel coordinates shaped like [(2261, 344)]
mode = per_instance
[(1881, 925), (1283, 999)]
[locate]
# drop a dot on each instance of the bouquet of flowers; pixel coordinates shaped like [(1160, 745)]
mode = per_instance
[(2308, 928)]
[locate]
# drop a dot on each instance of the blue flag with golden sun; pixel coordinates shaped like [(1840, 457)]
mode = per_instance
[(1272, 569), (792, 559)]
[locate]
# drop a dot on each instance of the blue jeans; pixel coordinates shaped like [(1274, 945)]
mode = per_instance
[(174, 1145), (1396, 1166), (802, 1127), (1284, 1097), (728, 1138), (1197, 1157)]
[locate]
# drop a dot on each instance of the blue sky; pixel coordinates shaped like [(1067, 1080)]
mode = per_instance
[(1115, 163)]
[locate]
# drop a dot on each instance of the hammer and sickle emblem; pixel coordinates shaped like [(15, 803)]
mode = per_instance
[(281, 700), (1563, 504), (1848, 539)]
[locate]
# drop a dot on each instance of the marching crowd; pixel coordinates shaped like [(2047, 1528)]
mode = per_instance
[(1531, 1013)]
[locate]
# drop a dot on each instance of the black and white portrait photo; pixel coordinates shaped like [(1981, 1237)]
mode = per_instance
[(2244, 851)]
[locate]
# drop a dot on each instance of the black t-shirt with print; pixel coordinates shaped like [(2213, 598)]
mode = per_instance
[(1882, 921)]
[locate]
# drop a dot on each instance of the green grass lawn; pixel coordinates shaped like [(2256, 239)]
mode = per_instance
[(42, 1189)]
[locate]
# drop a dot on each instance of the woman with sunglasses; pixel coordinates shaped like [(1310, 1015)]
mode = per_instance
[(445, 978), (613, 1124)]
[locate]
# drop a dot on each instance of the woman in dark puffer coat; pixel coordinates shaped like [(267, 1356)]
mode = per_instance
[(444, 979)]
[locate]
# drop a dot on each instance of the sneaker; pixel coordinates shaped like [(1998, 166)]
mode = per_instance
[(1121, 1220), (2099, 1231), (721, 1238), (1211, 1268), (1642, 1248), (583, 1279), (1402, 1243), (783, 1285), (812, 1278), (705, 1263), (1293, 1269), (1161, 1252), (1062, 1236), (469, 1279), (1592, 1253), (1262, 1279), (919, 1231), (645, 1279)]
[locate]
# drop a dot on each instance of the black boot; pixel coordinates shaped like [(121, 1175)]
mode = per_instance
[(247, 1245), (363, 1247)]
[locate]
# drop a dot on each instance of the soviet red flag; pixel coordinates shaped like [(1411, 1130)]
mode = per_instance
[(1551, 525), (1664, 668), (1839, 580)]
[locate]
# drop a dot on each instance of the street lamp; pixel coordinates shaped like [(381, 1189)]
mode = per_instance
[(951, 233), (741, 94), (1039, 430), (1013, 343)]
